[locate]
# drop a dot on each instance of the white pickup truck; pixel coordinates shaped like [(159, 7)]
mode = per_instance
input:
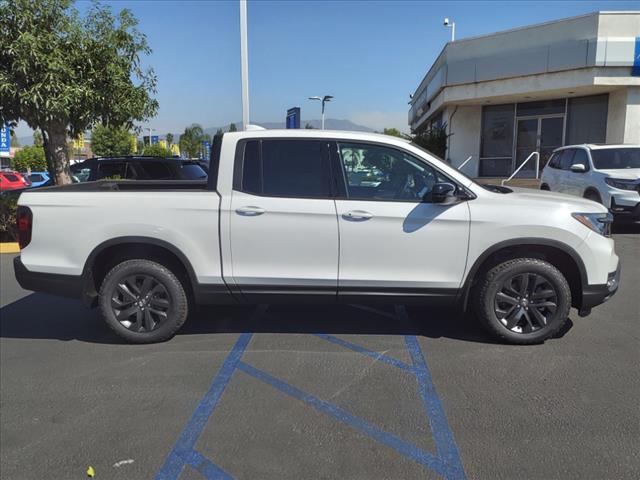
[(317, 216)]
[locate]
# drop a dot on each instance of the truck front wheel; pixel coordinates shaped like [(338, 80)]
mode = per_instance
[(523, 301), (143, 301)]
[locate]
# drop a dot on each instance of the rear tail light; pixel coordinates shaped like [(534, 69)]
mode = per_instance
[(24, 221)]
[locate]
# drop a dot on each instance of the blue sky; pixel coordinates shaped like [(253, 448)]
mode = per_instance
[(369, 54)]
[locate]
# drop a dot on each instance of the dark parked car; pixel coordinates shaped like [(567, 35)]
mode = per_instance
[(138, 168)]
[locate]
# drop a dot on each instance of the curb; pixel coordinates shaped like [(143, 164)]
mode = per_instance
[(9, 247)]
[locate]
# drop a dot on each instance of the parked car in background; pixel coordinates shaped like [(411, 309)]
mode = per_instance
[(12, 180), (138, 168), (607, 174), (39, 179)]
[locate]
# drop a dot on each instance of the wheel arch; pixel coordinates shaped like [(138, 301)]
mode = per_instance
[(559, 254), (111, 252), (594, 191)]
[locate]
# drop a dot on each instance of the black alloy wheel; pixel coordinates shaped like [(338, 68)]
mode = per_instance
[(140, 303), (526, 302)]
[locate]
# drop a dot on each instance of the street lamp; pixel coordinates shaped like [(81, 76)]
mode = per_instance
[(451, 25), (326, 98), (150, 130)]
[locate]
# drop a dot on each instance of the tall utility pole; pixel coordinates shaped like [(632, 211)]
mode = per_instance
[(326, 98), (244, 63)]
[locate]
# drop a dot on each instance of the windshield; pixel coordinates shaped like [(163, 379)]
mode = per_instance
[(616, 158)]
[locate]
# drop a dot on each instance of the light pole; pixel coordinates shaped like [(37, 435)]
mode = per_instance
[(244, 64), (326, 98), (451, 25), (150, 130)]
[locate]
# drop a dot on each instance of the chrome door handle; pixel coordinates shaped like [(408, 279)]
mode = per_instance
[(250, 211), (357, 215)]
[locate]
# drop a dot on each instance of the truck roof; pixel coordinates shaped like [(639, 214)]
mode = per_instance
[(316, 133)]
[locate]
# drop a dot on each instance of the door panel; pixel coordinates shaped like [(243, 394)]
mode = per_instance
[(284, 232), (391, 241), (402, 245), (284, 242)]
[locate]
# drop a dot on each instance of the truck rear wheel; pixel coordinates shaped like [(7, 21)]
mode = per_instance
[(143, 301), (523, 301)]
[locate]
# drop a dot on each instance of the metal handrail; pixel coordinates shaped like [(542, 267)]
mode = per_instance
[(465, 162), (537, 155)]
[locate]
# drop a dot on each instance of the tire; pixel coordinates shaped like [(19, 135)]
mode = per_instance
[(545, 187), (527, 282), (143, 301)]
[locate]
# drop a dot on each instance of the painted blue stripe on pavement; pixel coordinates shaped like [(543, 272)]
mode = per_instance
[(174, 463), (405, 448), (445, 443), (365, 351), (206, 467)]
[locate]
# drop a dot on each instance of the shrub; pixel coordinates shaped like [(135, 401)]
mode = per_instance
[(8, 231), (157, 151), (433, 140), (29, 158)]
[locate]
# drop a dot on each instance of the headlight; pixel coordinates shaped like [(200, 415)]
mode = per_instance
[(622, 184), (598, 222)]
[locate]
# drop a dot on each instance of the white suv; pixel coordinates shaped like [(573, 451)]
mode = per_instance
[(607, 174)]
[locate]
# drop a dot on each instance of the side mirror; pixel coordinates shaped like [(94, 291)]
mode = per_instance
[(578, 168), (442, 192)]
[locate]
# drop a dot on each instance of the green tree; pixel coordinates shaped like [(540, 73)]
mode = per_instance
[(37, 138), (169, 138), (14, 139), (394, 132), (233, 128), (219, 132), (191, 141), (157, 151), (29, 158), (111, 141), (63, 73), (433, 139)]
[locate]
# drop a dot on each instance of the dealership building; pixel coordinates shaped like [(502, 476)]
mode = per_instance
[(505, 95)]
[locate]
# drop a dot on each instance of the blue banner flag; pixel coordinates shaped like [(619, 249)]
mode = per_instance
[(5, 139)]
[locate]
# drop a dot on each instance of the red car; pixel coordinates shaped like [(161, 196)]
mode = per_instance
[(11, 181)]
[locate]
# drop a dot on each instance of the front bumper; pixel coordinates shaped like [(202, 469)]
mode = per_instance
[(620, 210), (593, 295)]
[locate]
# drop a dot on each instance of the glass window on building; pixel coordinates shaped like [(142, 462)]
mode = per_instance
[(496, 146), (587, 119)]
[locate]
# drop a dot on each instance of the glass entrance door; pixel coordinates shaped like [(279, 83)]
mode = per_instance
[(526, 142), (550, 137), (539, 134)]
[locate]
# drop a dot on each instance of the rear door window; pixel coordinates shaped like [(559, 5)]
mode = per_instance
[(286, 168)]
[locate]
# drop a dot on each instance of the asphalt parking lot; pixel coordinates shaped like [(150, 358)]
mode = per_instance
[(319, 392)]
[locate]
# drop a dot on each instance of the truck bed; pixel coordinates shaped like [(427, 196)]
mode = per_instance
[(126, 185)]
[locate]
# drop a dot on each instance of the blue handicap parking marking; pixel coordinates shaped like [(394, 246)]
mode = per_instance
[(445, 461)]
